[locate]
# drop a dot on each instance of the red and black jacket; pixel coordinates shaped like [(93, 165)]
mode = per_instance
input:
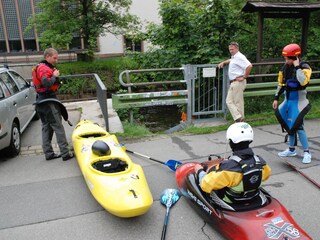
[(43, 79)]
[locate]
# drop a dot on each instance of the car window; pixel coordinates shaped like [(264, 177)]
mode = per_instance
[(19, 80), (8, 81), (4, 88), (1, 93)]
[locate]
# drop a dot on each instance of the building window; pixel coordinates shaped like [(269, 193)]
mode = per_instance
[(30, 45), (3, 47), (75, 44), (15, 45), (132, 45)]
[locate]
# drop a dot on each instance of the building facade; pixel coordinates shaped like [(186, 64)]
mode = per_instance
[(14, 16)]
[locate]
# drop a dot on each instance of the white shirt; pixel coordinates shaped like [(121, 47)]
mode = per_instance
[(237, 66)]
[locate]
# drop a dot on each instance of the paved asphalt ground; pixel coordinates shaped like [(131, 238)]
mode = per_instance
[(49, 200)]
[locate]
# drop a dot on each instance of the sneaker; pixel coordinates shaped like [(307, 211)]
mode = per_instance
[(287, 153), (53, 156), (239, 120), (306, 157), (69, 156)]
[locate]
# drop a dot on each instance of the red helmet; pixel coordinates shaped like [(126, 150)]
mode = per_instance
[(291, 50)]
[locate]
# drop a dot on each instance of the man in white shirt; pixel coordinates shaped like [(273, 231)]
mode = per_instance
[(239, 70)]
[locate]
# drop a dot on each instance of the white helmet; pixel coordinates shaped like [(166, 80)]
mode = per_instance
[(240, 132)]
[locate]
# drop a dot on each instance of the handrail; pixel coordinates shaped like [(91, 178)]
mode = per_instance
[(101, 91), (264, 89), (129, 84)]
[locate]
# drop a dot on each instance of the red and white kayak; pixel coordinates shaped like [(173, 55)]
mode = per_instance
[(271, 221)]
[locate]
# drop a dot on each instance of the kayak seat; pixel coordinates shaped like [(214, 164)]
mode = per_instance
[(110, 165), (216, 201), (257, 202)]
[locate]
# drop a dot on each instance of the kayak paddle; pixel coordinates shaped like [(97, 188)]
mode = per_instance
[(172, 164), (168, 198)]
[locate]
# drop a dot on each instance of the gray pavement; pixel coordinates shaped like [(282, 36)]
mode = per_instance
[(49, 199)]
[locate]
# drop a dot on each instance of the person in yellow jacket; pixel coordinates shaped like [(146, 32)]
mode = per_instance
[(237, 180)]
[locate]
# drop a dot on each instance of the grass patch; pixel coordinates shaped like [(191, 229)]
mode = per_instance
[(133, 131), (266, 117)]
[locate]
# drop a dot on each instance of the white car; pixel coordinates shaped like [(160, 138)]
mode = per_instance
[(17, 109)]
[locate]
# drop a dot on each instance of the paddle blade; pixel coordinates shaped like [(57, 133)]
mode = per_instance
[(169, 197), (173, 164)]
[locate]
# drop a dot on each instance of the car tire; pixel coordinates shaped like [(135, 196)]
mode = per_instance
[(15, 142)]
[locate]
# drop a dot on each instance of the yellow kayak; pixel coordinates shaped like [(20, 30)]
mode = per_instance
[(118, 184)]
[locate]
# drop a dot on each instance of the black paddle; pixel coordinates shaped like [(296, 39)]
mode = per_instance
[(168, 198), (172, 164)]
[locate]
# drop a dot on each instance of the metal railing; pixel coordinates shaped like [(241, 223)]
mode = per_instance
[(101, 93), (129, 84), (129, 100), (260, 88)]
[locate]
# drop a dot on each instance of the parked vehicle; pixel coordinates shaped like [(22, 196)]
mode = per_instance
[(17, 109)]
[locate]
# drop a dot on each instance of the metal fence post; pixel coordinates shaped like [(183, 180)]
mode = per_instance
[(187, 71), (225, 88), (102, 99)]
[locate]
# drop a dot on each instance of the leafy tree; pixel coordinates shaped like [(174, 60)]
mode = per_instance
[(58, 21), (198, 31)]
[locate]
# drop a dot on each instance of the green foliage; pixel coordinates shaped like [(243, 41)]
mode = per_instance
[(124, 115), (265, 104), (76, 86), (263, 117), (58, 22), (107, 69), (198, 31), (204, 130), (192, 32), (134, 131), (313, 50)]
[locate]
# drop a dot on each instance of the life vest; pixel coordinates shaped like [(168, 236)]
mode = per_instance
[(248, 188), (290, 81), (291, 112), (37, 76)]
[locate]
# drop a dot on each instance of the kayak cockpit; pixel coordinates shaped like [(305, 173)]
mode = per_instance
[(216, 202), (112, 165), (93, 135)]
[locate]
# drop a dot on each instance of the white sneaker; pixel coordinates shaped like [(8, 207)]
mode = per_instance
[(306, 157), (287, 153)]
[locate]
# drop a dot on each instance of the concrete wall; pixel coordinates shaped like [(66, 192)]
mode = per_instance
[(23, 70)]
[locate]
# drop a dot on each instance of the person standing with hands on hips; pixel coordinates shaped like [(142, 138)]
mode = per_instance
[(45, 78), (293, 80), (239, 70)]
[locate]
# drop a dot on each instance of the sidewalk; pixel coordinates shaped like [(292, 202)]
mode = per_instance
[(82, 110), (90, 110), (50, 199)]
